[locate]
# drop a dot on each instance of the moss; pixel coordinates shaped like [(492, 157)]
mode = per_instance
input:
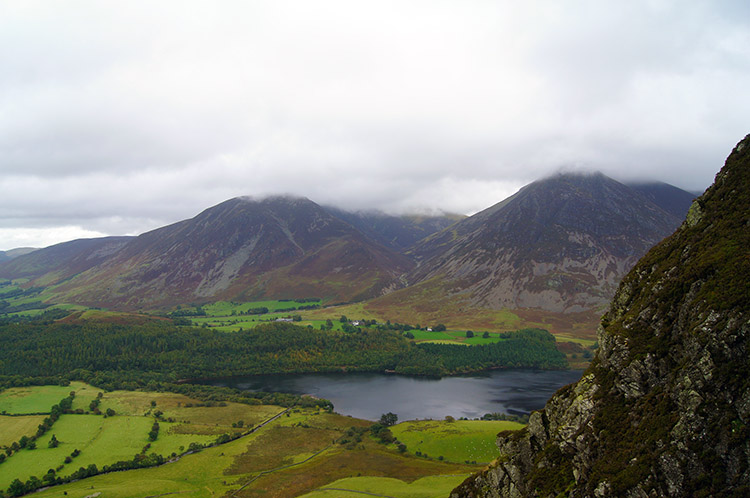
[(553, 474)]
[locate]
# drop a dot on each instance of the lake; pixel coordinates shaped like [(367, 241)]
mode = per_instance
[(368, 395)]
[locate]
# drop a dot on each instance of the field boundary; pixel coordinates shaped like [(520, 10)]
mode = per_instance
[(354, 491)]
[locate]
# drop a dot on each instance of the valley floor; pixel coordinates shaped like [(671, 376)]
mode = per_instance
[(279, 452)]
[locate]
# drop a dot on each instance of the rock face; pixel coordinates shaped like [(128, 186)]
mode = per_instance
[(665, 406), (561, 244)]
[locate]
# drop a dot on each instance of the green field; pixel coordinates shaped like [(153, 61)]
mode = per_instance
[(426, 487), (224, 308), (106, 440), (15, 427), (101, 441), (458, 441), (304, 451), (39, 399)]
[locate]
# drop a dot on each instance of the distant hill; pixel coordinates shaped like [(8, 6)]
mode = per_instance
[(62, 261), (560, 244), (240, 249), (664, 408), (14, 253), (396, 232)]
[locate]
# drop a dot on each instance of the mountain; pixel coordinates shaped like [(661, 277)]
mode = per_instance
[(664, 408), (240, 249), (59, 262), (396, 232), (668, 197), (14, 253), (561, 244)]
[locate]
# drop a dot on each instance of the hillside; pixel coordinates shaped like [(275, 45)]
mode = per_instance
[(664, 408), (671, 199), (396, 232), (61, 261), (239, 249), (561, 244), (14, 253)]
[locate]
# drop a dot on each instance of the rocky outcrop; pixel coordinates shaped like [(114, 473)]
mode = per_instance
[(665, 406)]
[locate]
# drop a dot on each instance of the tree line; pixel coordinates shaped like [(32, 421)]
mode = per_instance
[(161, 352)]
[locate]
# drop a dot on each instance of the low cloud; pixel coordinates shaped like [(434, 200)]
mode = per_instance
[(121, 120)]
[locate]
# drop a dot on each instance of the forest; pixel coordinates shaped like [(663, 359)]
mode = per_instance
[(129, 356)]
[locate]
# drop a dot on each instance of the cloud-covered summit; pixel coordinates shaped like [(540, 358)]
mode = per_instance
[(118, 120)]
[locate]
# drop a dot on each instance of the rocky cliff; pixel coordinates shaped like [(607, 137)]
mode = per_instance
[(665, 406)]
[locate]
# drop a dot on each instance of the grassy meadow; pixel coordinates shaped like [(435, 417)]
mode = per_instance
[(304, 451), (457, 441)]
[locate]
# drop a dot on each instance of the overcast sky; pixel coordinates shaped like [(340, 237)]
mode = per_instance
[(120, 117)]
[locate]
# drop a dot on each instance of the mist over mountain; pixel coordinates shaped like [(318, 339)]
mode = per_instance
[(396, 232), (560, 244)]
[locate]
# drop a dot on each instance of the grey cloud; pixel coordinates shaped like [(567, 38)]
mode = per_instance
[(119, 120)]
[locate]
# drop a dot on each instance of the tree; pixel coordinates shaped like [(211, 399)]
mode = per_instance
[(388, 419), (438, 328), (16, 488), (469, 334), (486, 335), (343, 319), (53, 443), (110, 412)]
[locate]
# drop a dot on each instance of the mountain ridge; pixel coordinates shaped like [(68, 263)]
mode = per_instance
[(230, 250), (290, 247), (559, 244), (664, 408)]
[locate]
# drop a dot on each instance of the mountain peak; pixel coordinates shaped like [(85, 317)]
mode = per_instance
[(560, 244), (664, 408)]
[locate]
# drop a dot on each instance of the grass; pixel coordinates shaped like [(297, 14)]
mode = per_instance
[(300, 453), (13, 428), (81, 432), (426, 487), (106, 440), (225, 308), (37, 399), (459, 441), (199, 475)]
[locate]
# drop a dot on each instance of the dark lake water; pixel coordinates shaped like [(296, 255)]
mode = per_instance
[(368, 395)]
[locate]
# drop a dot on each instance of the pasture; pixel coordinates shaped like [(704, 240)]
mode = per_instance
[(13, 428), (104, 440), (458, 441), (303, 451), (355, 487), (39, 399)]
